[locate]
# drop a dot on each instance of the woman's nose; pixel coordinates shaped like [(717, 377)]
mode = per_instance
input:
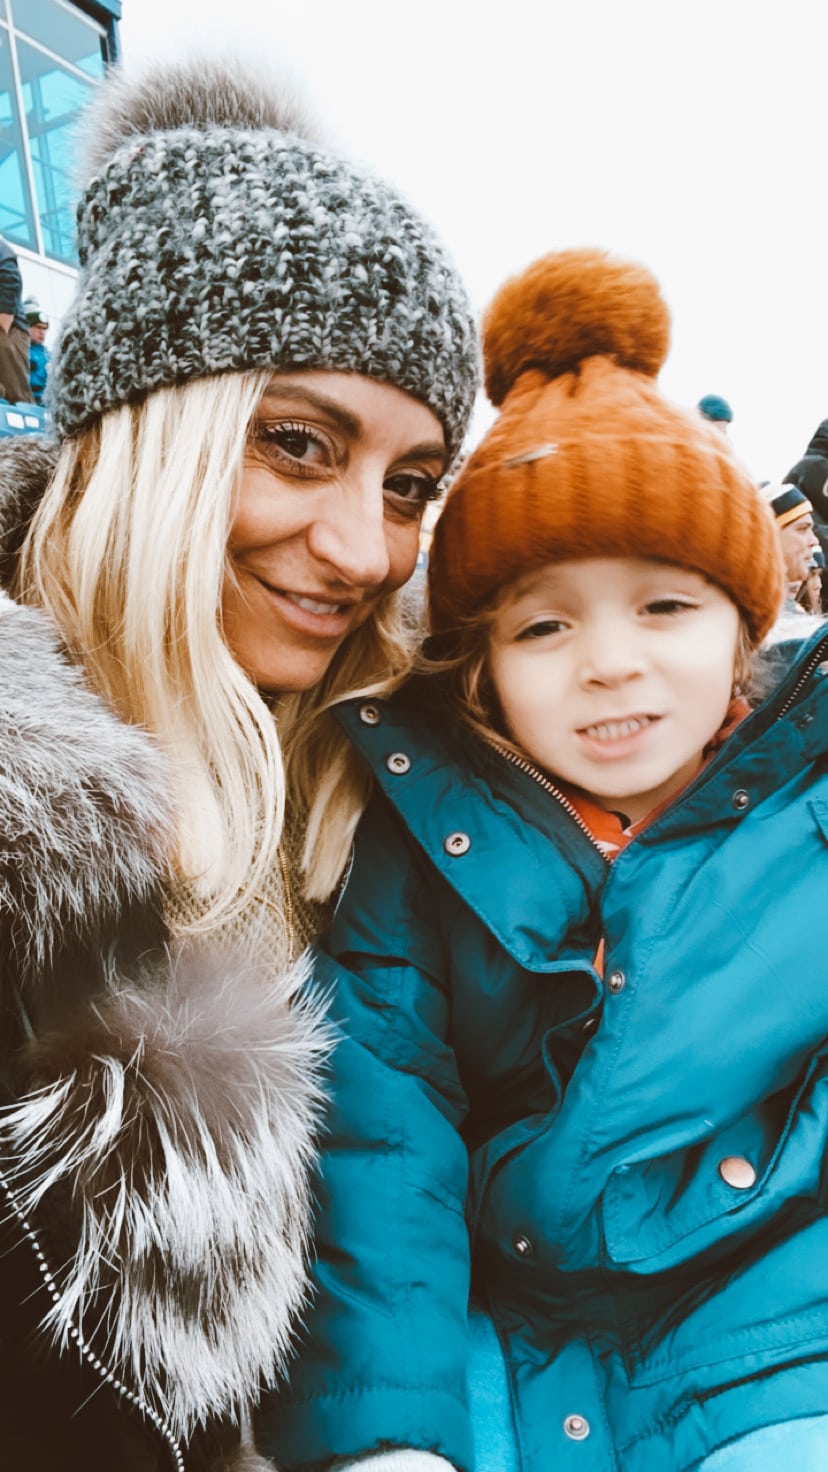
[(351, 536)]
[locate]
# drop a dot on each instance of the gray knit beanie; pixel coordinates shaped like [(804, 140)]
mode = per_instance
[(216, 236)]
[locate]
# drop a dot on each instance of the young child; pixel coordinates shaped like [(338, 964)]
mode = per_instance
[(573, 1204)]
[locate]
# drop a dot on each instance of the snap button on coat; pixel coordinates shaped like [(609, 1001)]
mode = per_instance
[(737, 1172), (398, 763), (523, 1247), (576, 1428), (740, 799), (616, 982), (370, 714), (457, 844)]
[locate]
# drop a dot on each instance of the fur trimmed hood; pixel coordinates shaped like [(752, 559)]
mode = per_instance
[(162, 1102), (167, 1140), (83, 815)]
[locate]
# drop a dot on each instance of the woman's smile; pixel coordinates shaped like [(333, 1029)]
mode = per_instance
[(316, 615)]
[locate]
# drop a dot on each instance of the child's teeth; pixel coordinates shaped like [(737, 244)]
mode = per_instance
[(614, 730)]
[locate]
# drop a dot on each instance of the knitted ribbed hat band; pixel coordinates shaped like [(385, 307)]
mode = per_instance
[(209, 248)]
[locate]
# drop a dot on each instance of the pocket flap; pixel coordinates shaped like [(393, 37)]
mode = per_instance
[(673, 1207)]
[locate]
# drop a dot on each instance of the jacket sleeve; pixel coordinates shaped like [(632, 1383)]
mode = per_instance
[(382, 1363)]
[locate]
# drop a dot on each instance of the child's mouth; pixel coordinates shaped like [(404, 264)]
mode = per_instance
[(611, 732)]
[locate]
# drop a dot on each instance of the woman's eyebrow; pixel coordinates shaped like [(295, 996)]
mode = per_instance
[(430, 450), (347, 421)]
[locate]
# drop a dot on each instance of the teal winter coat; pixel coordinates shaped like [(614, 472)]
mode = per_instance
[(627, 1172)]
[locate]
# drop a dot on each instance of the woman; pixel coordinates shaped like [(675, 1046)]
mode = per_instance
[(267, 368)]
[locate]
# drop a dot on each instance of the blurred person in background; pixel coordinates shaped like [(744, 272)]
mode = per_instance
[(716, 411), (14, 331), (810, 595), (810, 474), (794, 518), (39, 354)]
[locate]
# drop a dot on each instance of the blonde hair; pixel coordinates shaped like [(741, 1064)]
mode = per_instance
[(128, 553), (330, 783)]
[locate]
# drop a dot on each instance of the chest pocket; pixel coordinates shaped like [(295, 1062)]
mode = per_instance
[(659, 1213)]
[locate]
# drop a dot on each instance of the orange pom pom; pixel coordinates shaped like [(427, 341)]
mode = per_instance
[(573, 305)]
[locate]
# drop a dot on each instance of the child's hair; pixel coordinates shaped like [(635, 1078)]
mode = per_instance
[(127, 552), (472, 696)]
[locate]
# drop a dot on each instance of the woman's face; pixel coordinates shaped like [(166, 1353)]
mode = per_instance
[(326, 519)]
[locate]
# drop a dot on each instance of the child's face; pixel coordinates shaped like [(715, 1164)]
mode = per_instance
[(613, 674)]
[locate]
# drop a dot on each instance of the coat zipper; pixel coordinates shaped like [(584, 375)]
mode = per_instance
[(544, 782), (86, 1352), (815, 660)]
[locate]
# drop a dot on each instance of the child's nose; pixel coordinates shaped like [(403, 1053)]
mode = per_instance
[(611, 658)]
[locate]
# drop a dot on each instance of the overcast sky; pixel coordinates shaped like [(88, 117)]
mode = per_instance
[(691, 136)]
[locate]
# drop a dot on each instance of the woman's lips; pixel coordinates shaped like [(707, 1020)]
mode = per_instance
[(319, 617)]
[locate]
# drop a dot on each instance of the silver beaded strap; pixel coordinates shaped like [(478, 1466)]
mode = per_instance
[(85, 1350)]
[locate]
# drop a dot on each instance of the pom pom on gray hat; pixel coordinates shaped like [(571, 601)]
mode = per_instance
[(216, 234)]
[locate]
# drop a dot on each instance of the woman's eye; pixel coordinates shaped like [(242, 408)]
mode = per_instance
[(413, 488), (295, 445), (542, 628)]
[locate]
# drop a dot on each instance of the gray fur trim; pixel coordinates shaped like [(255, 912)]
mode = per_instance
[(83, 815), (27, 464), (182, 1114), (197, 93), (225, 248)]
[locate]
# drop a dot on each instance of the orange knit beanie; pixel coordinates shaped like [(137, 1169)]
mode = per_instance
[(587, 459)]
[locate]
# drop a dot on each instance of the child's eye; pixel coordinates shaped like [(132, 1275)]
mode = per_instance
[(542, 628), (668, 606)]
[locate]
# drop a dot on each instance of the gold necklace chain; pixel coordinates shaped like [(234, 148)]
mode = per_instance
[(285, 911)]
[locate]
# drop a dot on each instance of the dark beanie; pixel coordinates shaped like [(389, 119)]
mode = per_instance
[(810, 475), (818, 444)]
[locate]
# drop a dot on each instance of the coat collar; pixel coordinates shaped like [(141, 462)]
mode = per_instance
[(487, 827)]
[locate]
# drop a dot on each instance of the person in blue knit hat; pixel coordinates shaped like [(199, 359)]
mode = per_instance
[(716, 410)]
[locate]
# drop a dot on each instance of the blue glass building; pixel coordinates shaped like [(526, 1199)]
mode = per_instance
[(52, 54)]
